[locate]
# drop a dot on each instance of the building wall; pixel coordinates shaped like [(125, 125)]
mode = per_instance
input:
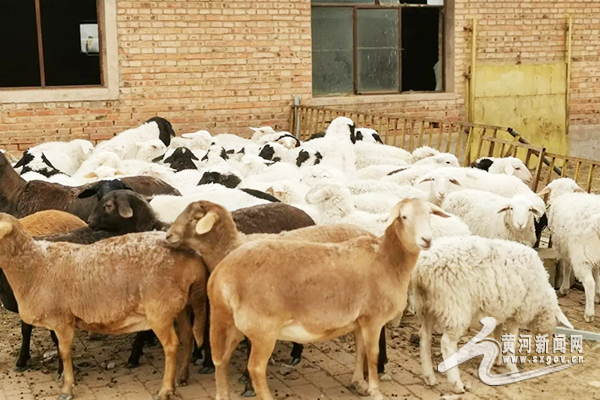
[(216, 65), (226, 65)]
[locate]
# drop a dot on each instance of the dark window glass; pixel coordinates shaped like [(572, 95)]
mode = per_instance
[(420, 48), (378, 51), (332, 43), (19, 66), (344, 1), (64, 62), (367, 47)]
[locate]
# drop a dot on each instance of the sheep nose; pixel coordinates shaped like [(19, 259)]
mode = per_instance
[(426, 242)]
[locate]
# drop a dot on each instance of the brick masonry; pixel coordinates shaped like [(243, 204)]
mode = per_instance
[(226, 65)]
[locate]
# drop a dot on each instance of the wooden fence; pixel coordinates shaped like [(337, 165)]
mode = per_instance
[(467, 141)]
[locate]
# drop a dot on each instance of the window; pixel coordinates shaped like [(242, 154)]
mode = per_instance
[(49, 43), (377, 46)]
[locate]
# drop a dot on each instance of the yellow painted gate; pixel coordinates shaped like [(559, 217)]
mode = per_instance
[(530, 98)]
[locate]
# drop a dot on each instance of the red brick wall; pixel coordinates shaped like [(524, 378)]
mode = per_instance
[(216, 65), (226, 65)]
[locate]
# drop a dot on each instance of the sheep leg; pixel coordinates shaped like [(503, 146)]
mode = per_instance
[(449, 346), (566, 278), (425, 350), (358, 378), (187, 340), (370, 334), (65, 341), (245, 378), (224, 338), (60, 362), (296, 354), (165, 331), (383, 359), (589, 285), (207, 365), (24, 355), (498, 337), (596, 274), (513, 328), (137, 350), (262, 348)]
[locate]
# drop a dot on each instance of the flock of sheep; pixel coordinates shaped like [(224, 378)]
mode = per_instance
[(302, 241)]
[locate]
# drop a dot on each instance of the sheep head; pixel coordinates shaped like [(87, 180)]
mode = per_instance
[(191, 227), (560, 186), (122, 211), (520, 212), (411, 222), (440, 186)]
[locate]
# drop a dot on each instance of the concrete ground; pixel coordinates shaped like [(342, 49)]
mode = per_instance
[(324, 373)]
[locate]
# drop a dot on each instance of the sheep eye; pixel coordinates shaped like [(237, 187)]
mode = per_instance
[(404, 217)]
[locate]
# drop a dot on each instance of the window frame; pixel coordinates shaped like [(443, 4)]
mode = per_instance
[(108, 89), (385, 6)]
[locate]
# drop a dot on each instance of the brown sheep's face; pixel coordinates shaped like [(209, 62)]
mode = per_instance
[(412, 223), (191, 226)]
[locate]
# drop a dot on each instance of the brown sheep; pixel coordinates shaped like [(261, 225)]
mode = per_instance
[(49, 222), (324, 291), (223, 237), (40, 223), (119, 285)]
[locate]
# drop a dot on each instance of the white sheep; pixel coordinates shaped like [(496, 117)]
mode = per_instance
[(574, 220), (377, 171), (67, 157), (168, 208), (462, 279), (150, 150), (440, 182), (258, 133), (98, 159), (423, 152), (367, 135), (336, 146), (365, 150), (506, 165), (125, 143), (230, 141), (411, 174), (200, 140), (494, 216)]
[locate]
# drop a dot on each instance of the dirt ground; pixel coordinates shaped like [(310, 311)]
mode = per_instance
[(324, 373)]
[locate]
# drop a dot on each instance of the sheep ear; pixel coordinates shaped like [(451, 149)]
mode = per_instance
[(206, 223), (5, 229), (87, 148), (435, 210), (579, 190), (536, 213), (89, 192), (455, 181), (544, 191), (125, 210), (424, 180), (509, 170), (504, 209), (119, 173)]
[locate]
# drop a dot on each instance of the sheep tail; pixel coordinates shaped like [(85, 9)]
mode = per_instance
[(562, 318)]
